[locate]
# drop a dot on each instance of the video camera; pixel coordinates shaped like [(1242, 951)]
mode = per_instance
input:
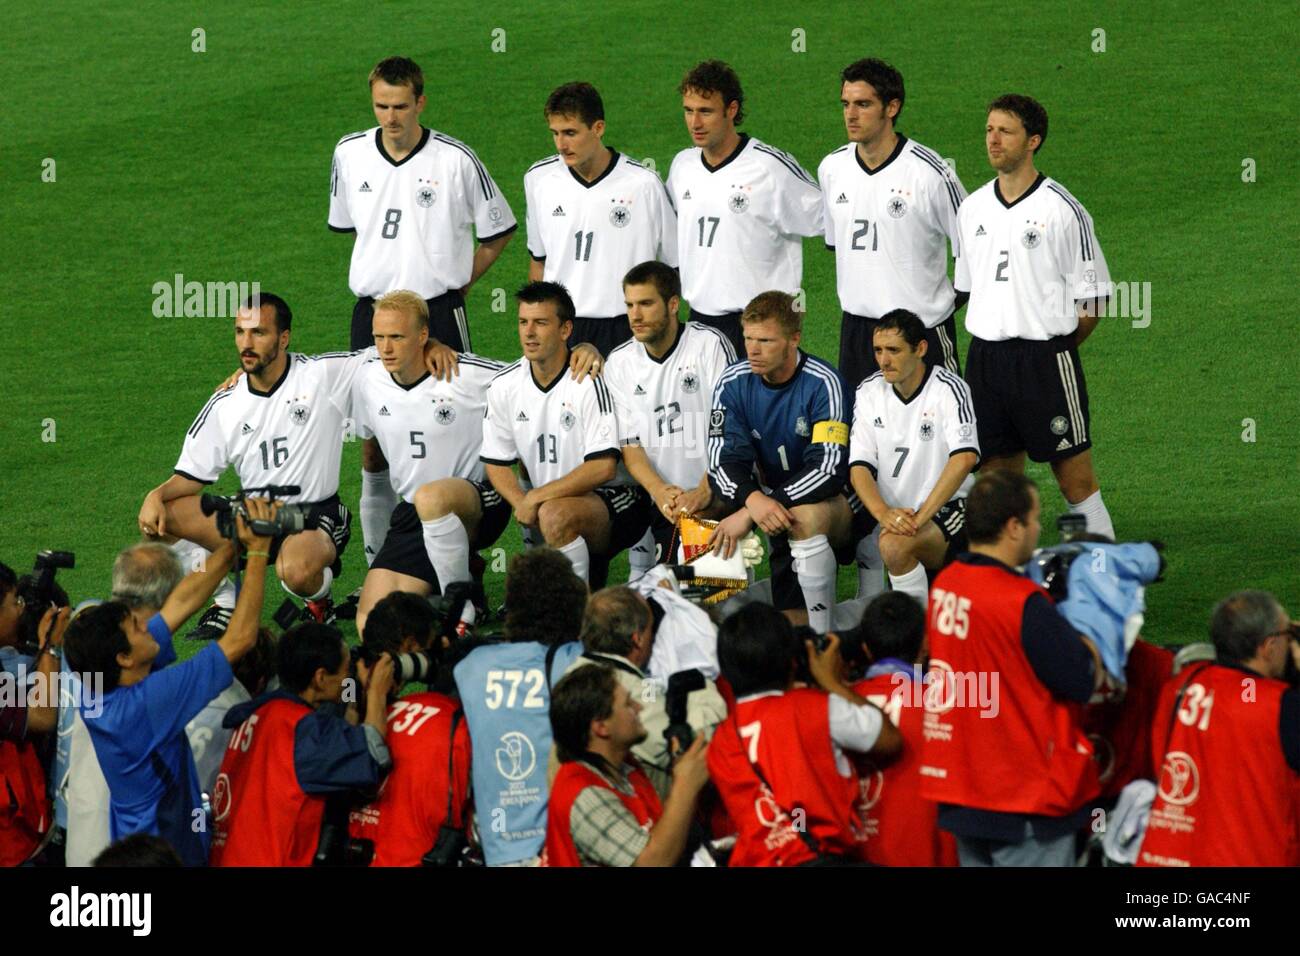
[(39, 594), (290, 519)]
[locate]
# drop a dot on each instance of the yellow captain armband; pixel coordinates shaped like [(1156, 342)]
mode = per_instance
[(836, 433)]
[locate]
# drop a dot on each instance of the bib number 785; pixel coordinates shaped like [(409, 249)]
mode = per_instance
[(949, 614)]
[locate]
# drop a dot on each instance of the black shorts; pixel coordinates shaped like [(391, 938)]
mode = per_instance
[(403, 549), (447, 321), (728, 325), (630, 510), (605, 334), (858, 357), (1029, 396), (786, 593), (330, 516)]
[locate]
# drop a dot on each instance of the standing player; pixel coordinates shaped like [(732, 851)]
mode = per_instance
[(415, 198), (429, 430), (891, 210), (592, 215), (565, 433), (1036, 277), (281, 425), (911, 453), (742, 206), (783, 410), (662, 383)]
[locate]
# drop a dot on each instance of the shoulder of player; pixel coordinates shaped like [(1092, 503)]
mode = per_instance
[(357, 139), (543, 167), (477, 371), (1063, 200), (622, 356), (956, 387), (465, 155), (510, 373), (925, 158), (591, 385), (737, 376), (827, 377), (870, 387), (834, 159), (698, 336), (210, 405), (778, 161)]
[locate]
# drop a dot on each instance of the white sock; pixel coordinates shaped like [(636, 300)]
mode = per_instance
[(447, 544), (193, 557), (814, 563), (641, 557), (1094, 509), (225, 594), (322, 592), (578, 555), (871, 566), (378, 499), (914, 582)]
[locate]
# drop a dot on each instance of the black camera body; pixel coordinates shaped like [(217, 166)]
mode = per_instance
[(680, 687), (39, 593), (289, 519)]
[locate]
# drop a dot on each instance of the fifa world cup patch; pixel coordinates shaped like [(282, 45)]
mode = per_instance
[(834, 433), (717, 423)]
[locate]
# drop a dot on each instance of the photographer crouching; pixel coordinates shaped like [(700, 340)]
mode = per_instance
[(287, 756), (136, 712)]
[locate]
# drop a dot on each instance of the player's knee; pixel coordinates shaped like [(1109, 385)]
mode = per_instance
[(299, 575), (557, 522), (810, 521), (431, 501), (895, 549), (372, 459)]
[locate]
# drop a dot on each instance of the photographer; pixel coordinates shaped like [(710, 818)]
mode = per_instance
[(136, 712), (899, 828), (427, 790), (1005, 753), (28, 705), (1227, 736), (505, 692), (286, 755), (779, 760), (603, 810), (619, 630)]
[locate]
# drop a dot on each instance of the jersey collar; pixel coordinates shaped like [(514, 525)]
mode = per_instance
[(681, 329), (416, 383), (997, 191), (744, 141), (278, 382), (379, 144), (919, 389), (555, 381), (898, 149), (613, 161)]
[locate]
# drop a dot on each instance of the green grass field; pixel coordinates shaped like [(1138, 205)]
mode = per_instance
[(215, 165)]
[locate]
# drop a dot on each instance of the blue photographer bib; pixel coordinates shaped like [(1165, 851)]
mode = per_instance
[(505, 693)]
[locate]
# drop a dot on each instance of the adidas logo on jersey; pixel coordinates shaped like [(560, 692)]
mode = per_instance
[(980, 231), (383, 410), (878, 423), (521, 417), (365, 188), (247, 429), (559, 211), (688, 195), (843, 198), (638, 390)]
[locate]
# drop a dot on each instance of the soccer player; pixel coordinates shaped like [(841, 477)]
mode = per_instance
[(564, 432), (282, 425), (662, 382), (891, 210), (783, 410), (742, 205), (592, 215), (911, 453), (1036, 277), (414, 198), (429, 431)]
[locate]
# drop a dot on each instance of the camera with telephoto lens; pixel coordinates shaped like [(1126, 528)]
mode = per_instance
[(419, 666), (290, 519), (680, 686), (853, 649), (1053, 564), (39, 593)]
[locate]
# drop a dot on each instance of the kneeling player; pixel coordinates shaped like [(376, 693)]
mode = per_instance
[(913, 449), (282, 425), (430, 431), (565, 433), (783, 410)]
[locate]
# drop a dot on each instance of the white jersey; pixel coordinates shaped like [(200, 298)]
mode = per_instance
[(591, 234), (1026, 264), (890, 228), (664, 404), (740, 223), (907, 444), (430, 429), (291, 434), (415, 219), (550, 429)]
